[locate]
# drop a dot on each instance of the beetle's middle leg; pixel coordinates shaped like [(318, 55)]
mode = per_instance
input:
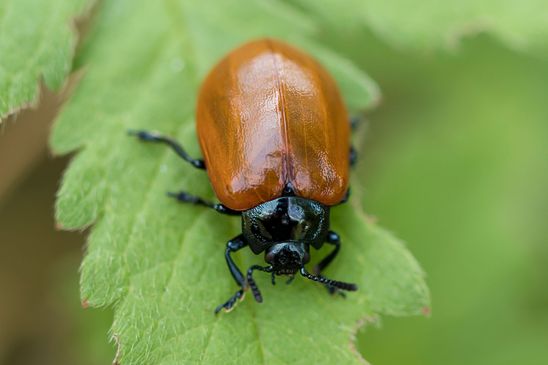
[(335, 240), (146, 136), (192, 199)]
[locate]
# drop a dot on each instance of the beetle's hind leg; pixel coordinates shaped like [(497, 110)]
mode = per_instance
[(354, 122), (146, 136), (353, 156), (192, 199), (344, 199)]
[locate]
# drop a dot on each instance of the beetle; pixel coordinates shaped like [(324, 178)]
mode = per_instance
[(275, 138)]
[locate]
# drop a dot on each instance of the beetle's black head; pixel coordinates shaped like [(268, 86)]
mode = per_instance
[(287, 258), (285, 228)]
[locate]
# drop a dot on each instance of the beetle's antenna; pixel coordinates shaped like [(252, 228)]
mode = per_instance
[(251, 282), (326, 281)]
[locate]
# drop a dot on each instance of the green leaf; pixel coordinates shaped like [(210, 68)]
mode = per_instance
[(160, 264), (522, 25), (36, 43)]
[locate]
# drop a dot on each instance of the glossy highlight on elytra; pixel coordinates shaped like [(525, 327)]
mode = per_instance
[(268, 115)]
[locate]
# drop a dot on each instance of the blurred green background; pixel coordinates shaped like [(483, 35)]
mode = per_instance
[(454, 161)]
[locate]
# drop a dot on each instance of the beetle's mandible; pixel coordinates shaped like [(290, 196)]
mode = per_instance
[(275, 136)]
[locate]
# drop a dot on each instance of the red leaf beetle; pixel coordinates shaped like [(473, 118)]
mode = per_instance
[(275, 137)]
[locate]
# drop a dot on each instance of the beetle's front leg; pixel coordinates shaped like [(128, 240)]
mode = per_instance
[(335, 240), (234, 245)]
